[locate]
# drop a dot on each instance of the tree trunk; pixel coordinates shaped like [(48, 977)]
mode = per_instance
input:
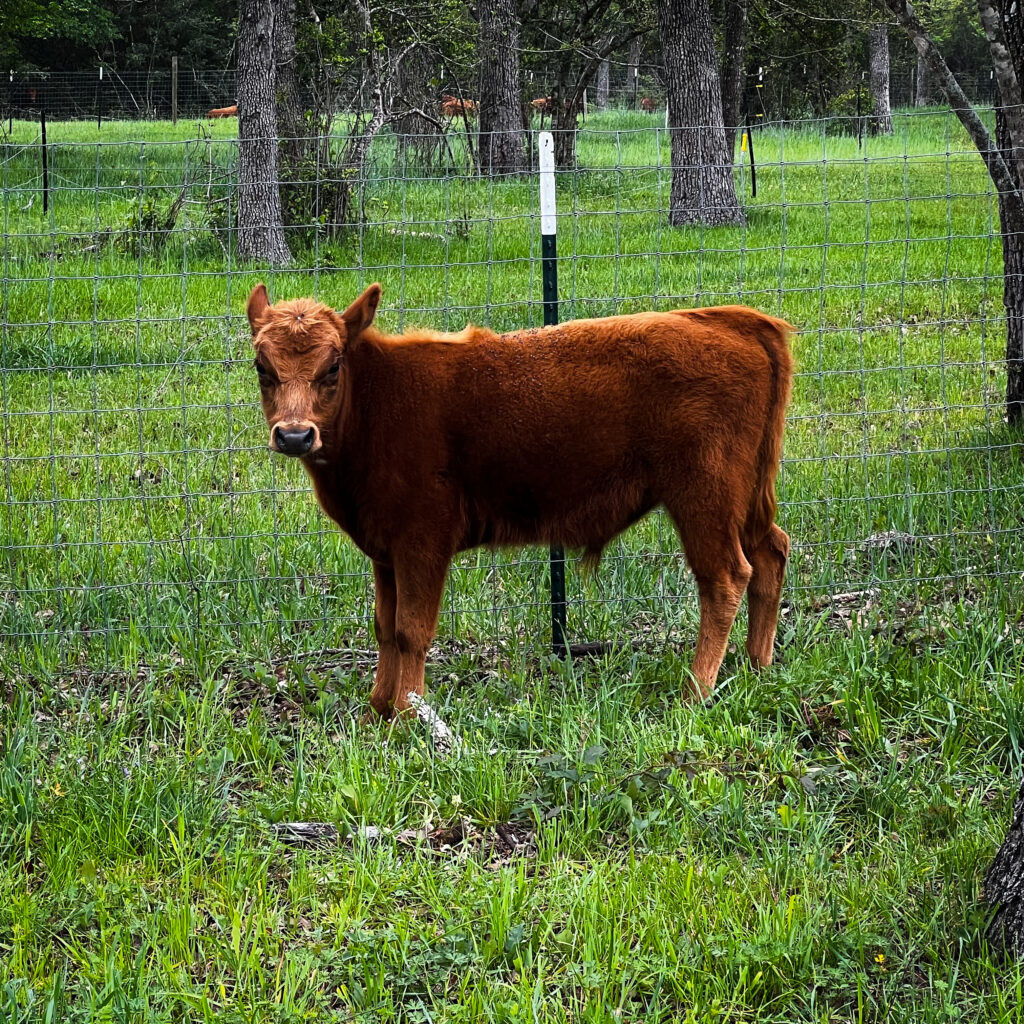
[(923, 92), (260, 226), (1011, 223), (563, 125), (567, 102), (1008, 60), (502, 148), (632, 74), (603, 82), (1004, 886), (703, 191), (734, 68), (878, 56), (291, 122)]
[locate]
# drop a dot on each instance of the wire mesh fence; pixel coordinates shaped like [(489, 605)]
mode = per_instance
[(108, 94), (142, 517)]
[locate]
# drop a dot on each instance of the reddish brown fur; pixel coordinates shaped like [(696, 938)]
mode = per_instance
[(426, 444), (647, 105), (542, 104), (231, 111), (452, 106)]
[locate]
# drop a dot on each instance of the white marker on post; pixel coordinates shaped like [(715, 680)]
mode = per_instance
[(548, 210)]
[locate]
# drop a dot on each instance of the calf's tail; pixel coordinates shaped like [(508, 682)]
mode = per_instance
[(773, 335)]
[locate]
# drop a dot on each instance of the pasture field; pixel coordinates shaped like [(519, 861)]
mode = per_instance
[(185, 640)]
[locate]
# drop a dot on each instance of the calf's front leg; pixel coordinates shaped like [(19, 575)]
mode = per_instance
[(386, 679), (420, 585)]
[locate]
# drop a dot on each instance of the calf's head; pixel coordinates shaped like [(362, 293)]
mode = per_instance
[(300, 362)]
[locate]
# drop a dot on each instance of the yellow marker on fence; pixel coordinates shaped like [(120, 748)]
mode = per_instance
[(743, 143)]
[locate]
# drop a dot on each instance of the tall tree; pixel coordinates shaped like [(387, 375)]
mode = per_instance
[(734, 56), (502, 145), (703, 191), (260, 223), (878, 59)]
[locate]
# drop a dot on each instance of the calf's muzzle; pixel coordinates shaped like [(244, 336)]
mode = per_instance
[(295, 439)]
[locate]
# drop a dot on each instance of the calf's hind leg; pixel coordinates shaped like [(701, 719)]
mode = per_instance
[(768, 560), (712, 547)]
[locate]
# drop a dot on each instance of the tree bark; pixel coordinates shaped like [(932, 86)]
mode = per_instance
[(502, 147), (1010, 105), (291, 122), (1005, 32), (734, 68), (602, 86), (703, 191), (924, 95), (1004, 886), (1011, 222), (878, 58), (260, 225), (563, 124)]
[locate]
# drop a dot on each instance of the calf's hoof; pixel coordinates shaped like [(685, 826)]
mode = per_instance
[(380, 712)]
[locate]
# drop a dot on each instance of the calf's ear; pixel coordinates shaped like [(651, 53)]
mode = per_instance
[(257, 305), (360, 314)]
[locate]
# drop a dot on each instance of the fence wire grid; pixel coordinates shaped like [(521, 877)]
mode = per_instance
[(793, 90), (143, 519)]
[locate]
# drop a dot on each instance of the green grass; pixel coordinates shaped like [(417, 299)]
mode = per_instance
[(179, 620)]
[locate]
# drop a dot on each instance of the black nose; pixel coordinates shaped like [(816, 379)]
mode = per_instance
[(294, 442)]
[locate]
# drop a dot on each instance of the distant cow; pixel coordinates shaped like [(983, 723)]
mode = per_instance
[(452, 106), (542, 104), (231, 111), (647, 105), (424, 444)]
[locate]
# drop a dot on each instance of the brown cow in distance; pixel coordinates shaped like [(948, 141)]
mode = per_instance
[(542, 104), (231, 111), (452, 106), (424, 444), (647, 105)]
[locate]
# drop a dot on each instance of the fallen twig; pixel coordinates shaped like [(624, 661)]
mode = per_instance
[(445, 741)]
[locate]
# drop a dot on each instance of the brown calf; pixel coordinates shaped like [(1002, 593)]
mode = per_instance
[(647, 105), (542, 104), (231, 111), (425, 444)]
